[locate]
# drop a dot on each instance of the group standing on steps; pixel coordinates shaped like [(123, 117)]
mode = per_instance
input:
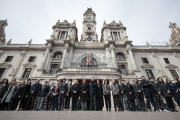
[(126, 96)]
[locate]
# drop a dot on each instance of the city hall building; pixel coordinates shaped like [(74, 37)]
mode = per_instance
[(113, 56)]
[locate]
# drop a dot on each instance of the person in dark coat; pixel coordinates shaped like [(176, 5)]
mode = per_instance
[(55, 93), (16, 96), (139, 95), (42, 95), (107, 95), (92, 92), (174, 90), (130, 96), (99, 96), (62, 93), (75, 95), (3, 87), (6, 99), (148, 91), (178, 83), (115, 93), (84, 94), (49, 96), (25, 95), (122, 95), (158, 95), (166, 94), (68, 96), (35, 88)]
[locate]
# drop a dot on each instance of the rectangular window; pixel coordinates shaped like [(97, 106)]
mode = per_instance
[(115, 35), (149, 74), (26, 73), (54, 68), (89, 28), (63, 35), (174, 74), (31, 59), (2, 70), (122, 69), (9, 58), (144, 60), (166, 61)]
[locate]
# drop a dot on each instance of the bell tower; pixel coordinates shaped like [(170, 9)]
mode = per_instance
[(89, 26), (3, 24)]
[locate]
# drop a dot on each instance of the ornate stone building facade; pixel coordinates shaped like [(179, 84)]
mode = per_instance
[(114, 55)]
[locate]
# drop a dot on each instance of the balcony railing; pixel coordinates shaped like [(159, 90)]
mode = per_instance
[(124, 71), (53, 70)]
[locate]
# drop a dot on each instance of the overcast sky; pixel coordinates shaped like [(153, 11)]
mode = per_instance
[(145, 20)]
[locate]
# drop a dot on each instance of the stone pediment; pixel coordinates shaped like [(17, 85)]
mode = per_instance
[(65, 23), (147, 66), (113, 24), (4, 64), (29, 65), (171, 67)]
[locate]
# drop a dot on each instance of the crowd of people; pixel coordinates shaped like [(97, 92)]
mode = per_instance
[(138, 96)]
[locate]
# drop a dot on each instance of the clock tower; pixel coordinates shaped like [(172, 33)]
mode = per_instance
[(3, 24), (89, 26)]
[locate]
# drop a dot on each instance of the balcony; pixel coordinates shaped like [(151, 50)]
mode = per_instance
[(123, 71), (53, 70)]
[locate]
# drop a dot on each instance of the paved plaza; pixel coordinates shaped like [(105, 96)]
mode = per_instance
[(87, 115)]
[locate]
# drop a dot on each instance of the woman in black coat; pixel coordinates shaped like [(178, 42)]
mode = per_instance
[(139, 95), (74, 93), (130, 95), (25, 95), (166, 93), (3, 87), (84, 94), (174, 90), (68, 96), (16, 96)]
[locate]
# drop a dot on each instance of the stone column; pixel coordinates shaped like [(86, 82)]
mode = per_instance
[(118, 35), (45, 56), (131, 57), (60, 34), (113, 56), (177, 58), (158, 66), (66, 48), (121, 34), (71, 54), (109, 34)]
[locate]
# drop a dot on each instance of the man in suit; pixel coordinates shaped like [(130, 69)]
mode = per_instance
[(122, 88), (62, 92), (42, 95), (49, 96), (115, 93), (92, 92), (99, 96), (35, 88)]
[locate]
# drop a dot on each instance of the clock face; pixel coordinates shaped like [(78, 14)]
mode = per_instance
[(89, 18), (1, 31)]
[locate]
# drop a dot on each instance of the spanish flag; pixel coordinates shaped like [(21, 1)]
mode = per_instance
[(88, 63)]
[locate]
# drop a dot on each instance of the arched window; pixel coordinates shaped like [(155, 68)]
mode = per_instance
[(58, 55), (120, 56), (93, 63)]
